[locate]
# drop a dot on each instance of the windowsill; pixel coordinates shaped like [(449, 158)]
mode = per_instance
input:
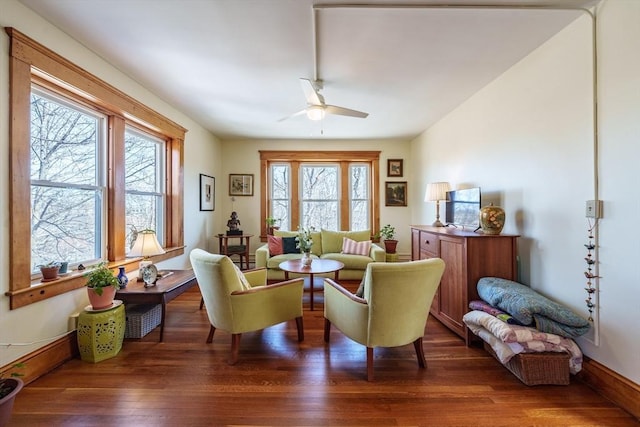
[(39, 291)]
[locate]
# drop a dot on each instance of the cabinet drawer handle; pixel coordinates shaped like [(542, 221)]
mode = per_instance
[(427, 242)]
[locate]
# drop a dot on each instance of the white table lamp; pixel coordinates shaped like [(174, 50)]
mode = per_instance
[(437, 191)]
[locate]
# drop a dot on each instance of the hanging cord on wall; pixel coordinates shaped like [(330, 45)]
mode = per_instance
[(591, 274)]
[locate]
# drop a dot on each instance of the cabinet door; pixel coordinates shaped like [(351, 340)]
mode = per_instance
[(452, 303)]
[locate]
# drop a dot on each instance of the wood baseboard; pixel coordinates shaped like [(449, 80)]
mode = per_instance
[(47, 358), (611, 385)]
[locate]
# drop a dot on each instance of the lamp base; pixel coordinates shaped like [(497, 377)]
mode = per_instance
[(438, 223)]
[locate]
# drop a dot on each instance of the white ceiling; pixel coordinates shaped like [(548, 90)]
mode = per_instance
[(234, 65)]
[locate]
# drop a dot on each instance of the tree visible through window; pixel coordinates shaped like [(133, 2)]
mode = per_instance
[(144, 183), (67, 182), (336, 190)]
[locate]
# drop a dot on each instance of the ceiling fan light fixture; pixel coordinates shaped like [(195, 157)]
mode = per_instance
[(315, 112)]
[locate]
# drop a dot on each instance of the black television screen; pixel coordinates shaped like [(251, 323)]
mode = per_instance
[(463, 207)]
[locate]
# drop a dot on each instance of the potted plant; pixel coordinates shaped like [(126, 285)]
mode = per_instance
[(49, 270), (388, 233), (101, 286), (271, 224), (9, 387)]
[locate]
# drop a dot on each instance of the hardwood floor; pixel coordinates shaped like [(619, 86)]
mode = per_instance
[(280, 382)]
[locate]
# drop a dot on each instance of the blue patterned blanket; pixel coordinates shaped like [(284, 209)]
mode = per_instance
[(528, 306)]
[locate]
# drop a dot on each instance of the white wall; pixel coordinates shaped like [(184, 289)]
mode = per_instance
[(243, 157), (38, 323), (527, 140)]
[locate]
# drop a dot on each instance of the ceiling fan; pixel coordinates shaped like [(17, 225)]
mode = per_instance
[(316, 107)]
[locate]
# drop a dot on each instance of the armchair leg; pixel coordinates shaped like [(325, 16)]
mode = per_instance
[(201, 303), (420, 353), (369, 364), (327, 329), (211, 332), (235, 347), (300, 327)]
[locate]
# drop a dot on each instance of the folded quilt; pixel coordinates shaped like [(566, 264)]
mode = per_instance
[(483, 306), (508, 340), (528, 306)]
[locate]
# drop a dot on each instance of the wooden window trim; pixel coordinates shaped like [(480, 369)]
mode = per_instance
[(31, 62), (344, 158)]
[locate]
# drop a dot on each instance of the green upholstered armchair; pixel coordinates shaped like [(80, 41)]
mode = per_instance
[(393, 310), (238, 302)]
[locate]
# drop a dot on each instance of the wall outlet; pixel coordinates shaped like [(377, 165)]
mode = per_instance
[(594, 209)]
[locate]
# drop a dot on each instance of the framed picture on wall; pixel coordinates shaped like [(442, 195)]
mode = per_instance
[(240, 184), (394, 167), (395, 193), (207, 193)]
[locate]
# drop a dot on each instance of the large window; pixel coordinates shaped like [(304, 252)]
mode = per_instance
[(334, 190), (87, 164), (144, 184), (68, 147)]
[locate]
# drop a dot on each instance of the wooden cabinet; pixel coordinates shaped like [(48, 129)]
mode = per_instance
[(468, 256)]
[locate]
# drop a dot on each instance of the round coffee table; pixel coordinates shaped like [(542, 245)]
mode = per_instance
[(317, 266)]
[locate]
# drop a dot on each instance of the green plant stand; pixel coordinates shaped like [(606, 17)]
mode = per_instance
[(100, 334)]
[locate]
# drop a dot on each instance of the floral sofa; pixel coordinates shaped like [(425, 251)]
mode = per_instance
[(327, 244)]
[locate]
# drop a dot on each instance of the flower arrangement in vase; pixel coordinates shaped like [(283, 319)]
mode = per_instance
[(304, 243)]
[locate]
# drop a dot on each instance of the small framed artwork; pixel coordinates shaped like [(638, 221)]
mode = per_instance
[(240, 184), (207, 193), (394, 167), (395, 193)]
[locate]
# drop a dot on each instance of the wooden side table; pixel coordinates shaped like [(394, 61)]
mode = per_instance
[(100, 333), (242, 249)]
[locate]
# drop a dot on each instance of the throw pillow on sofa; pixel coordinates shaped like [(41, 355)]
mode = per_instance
[(282, 245), (350, 246)]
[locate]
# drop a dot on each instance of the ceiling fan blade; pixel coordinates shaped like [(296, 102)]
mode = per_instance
[(341, 111), (293, 115), (310, 93)]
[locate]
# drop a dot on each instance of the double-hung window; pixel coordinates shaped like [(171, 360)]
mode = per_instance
[(68, 149), (334, 190), (144, 184)]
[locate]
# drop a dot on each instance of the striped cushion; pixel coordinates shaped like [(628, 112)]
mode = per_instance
[(356, 248)]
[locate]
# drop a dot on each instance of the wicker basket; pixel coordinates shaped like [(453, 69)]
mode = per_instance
[(538, 368), (142, 319)]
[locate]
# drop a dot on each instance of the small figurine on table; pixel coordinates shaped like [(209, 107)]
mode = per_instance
[(233, 224)]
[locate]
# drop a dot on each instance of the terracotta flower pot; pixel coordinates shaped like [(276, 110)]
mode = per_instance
[(390, 246), (6, 403), (49, 273), (105, 300)]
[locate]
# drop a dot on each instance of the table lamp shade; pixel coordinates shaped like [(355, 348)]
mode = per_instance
[(436, 191), (146, 245)]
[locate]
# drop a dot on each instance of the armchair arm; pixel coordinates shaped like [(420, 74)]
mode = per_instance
[(264, 306), (256, 276), (346, 311), (377, 253), (338, 287), (262, 256)]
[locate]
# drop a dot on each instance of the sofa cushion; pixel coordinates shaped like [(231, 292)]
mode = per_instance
[(274, 261), (316, 247), (332, 240), (350, 246), (351, 262), (275, 245)]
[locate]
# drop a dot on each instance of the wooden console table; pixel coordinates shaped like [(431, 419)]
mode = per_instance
[(168, 287)]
